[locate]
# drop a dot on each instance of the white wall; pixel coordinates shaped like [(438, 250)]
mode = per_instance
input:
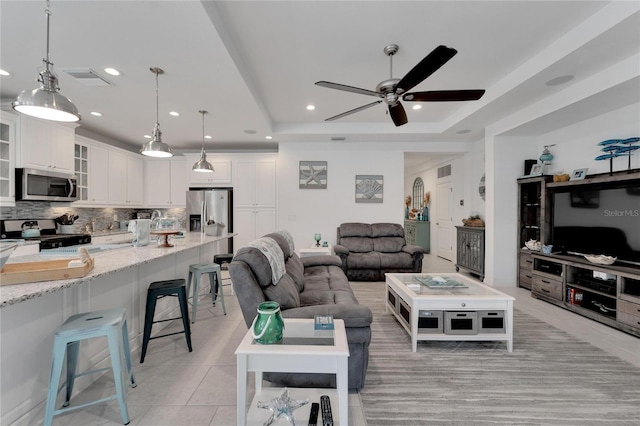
[(304, 212), (577, 145)]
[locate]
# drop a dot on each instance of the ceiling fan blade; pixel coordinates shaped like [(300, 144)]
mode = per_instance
[(430, 64), (344, 114), (398, 114), (444, 96), (346, 88)]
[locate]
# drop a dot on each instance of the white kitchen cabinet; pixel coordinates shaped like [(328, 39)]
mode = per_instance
[(135, 182), (8, 138), (165, 182), (98, 190), (220, 176), (254, 182), (46, 145), (254, 197), (117, 177), (81, 168), (252, 223)]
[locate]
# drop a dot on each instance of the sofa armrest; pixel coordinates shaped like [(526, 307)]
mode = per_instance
[(413, 250), (354, 315), (339, 249), (321, 260)]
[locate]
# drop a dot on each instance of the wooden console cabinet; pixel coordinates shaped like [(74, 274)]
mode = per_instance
[(607, 294), (470, 250)]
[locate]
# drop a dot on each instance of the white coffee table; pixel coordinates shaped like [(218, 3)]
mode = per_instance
[(421, 304), (315, 251), (299, 353)]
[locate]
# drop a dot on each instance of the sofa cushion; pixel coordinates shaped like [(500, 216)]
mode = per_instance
[(282, 243), (357, 244), (295, 270), (388, 244), (287, 236), (258, 263), (355, 230), (400, 260), (387, 230), (369, 260), (270, 249), (284, 292)]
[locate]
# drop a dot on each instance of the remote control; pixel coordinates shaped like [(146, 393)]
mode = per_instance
[(325, 406), (313, 416)]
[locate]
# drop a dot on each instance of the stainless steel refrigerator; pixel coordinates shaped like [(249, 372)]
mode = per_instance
[(204, 204)]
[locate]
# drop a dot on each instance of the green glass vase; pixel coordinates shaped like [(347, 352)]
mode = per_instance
[(268, 325)]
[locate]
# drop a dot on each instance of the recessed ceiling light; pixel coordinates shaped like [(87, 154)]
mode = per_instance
[(268, 137), (207, 137), (250, 132), (311, 107), (559, 80), (112, 71), (96, 113), (174, 113), (463, 132), (147, 136), (4, 72), (417, 107)]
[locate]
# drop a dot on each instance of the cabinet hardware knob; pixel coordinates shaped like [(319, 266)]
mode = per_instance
[(463, 304)]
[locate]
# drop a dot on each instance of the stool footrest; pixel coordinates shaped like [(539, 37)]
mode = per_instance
[(86, 404), (165, 335), (165, 320), (97, 370)]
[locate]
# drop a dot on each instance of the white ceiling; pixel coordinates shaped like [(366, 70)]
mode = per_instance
[(253, 65)]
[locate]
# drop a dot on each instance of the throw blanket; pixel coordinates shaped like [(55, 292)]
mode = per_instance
[(272, 251), (287, 236)]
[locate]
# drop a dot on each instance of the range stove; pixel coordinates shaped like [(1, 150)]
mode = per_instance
[(48, 237)]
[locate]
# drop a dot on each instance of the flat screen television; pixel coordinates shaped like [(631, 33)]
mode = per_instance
[(597, 220)]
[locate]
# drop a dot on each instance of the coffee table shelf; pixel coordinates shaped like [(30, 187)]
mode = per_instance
[(257, 416), (411, 302)]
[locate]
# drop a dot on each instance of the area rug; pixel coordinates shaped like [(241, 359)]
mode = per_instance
[(550, 378)]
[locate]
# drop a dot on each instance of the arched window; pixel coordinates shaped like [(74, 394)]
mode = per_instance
[(418, 193)]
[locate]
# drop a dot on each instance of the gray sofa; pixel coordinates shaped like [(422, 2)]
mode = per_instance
[(310, 286), (368, 251)]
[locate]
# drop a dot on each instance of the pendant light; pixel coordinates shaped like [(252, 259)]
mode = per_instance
[(155, 147), (45, 102), (202, 165)]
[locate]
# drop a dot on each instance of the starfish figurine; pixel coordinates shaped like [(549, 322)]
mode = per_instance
[(282, 406)]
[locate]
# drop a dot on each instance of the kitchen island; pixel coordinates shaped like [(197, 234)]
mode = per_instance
[(30, 312)]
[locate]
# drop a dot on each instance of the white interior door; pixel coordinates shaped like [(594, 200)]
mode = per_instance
[(444, 221)]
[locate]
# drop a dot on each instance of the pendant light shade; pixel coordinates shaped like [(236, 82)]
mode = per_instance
[(155, 147), (45, 102), (202, 165)]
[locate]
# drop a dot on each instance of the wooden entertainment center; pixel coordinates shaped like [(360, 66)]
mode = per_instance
[(609, 294)]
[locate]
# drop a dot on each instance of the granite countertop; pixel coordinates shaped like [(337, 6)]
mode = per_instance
[(105, 263)]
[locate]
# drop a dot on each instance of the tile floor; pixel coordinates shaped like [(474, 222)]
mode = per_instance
[(176, 387)]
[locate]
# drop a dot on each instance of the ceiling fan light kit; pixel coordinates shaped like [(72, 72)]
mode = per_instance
[(391, 89), (202, 165), (155, 147), (45, 102)]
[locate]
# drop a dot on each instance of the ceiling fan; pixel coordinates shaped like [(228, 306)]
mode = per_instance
[(390, 90)]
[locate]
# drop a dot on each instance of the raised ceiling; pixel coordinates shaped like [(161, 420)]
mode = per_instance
[(253, 65)]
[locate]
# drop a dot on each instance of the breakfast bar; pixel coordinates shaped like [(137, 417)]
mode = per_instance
[(30, 312)]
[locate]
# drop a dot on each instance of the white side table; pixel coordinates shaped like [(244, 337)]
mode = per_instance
[(297, 354), (315, 251)]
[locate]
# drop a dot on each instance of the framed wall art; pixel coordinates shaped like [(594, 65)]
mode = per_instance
[(369, 188), (313, 175)]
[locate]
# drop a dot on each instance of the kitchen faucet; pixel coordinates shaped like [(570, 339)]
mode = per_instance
[(155, 217)]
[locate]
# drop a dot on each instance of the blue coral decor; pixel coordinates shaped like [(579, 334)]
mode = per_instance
[(617, 148)]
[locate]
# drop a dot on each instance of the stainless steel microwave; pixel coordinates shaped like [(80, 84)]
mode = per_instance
[(44, 185)]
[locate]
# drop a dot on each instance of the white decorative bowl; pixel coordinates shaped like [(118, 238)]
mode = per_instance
[(600, 259), (533, 245)]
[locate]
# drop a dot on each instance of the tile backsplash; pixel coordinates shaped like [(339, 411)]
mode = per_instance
[(104, 217)]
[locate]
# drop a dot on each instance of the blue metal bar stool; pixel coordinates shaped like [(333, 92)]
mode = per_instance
[(111, 324), (158, 290), (195, 273)]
